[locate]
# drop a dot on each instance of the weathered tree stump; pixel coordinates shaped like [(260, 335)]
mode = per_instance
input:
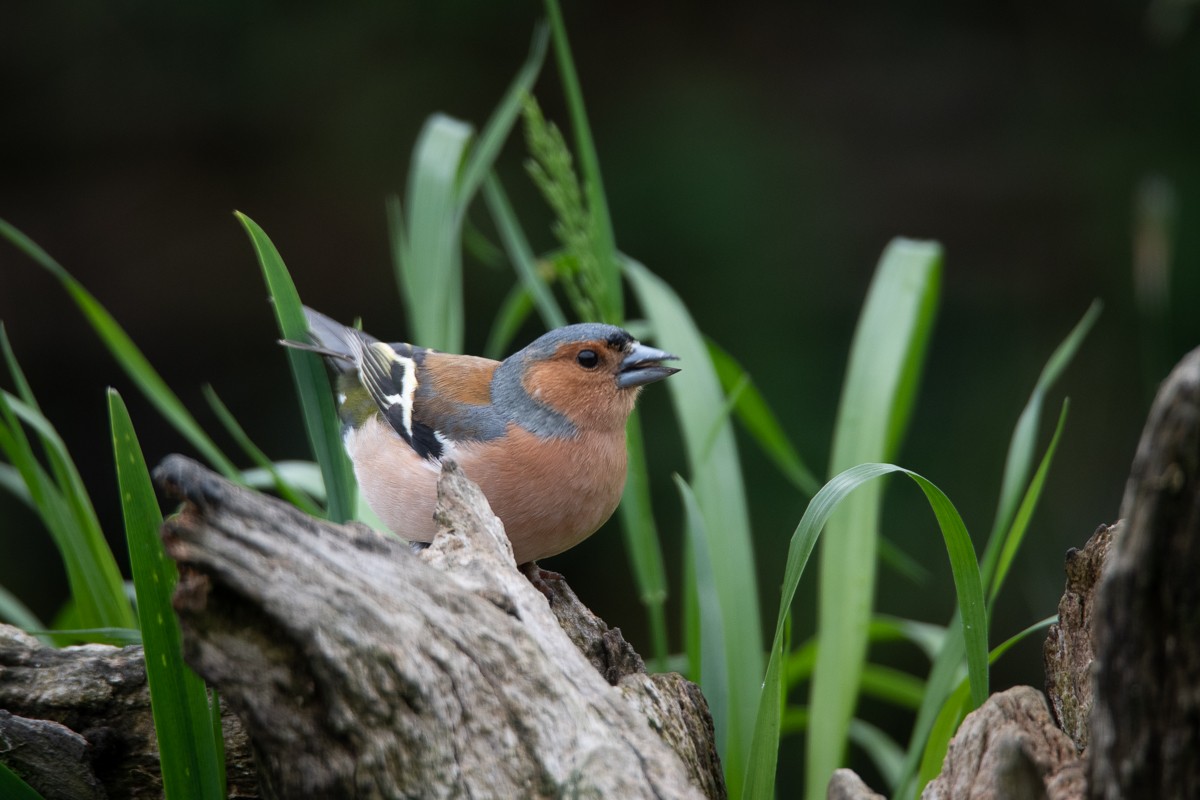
[(361, 668), (357, 667), (1145, 733)]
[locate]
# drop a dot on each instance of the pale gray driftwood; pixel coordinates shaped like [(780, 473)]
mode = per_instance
[(360, 668)]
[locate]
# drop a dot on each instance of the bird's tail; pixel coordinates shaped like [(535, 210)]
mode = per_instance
[(332, 339)]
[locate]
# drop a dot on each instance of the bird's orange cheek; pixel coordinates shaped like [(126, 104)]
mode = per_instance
[(585, 398)]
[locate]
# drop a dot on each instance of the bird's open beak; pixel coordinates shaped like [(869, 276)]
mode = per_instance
[(643, 366)]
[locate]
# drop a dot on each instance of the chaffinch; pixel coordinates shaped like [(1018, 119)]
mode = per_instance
[(542, 432)]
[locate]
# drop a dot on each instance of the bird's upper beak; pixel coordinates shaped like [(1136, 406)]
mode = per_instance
[(641, 366)]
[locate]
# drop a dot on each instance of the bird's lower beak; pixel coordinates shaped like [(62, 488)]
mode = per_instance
[(642, 366)]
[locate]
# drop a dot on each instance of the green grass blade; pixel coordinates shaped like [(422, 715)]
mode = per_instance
[(1020, 523), (511, 315), (427, 235), (10, 481), (308, 373), (954, 709), (63, 637), (178, 698), (1019, 460), (877, 397), (892, 686), (761, 423), (127, 354), (1016, 472), (235, 430), (610, 301), (66, 511), (717, 482), (13, 788), (520, 253), (642, 542), (491, 139), (883, 750), (303, 475), (714, 677), (14, 612), (760, 780)]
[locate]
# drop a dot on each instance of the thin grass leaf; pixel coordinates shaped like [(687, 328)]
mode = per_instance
[(717, 482), (127, 354), (712, 625), (511, 315), (235, 430), (642, 542), (764, 754), (1019, 460), (304, 475), (491, 139), (877, 397), (10, 481), (14, 612), (13, 788), (954, 709), (884, 752), (760, 422), (426, 236), (63, 637), (1020, 523), (610, 299), (1016, 471), (308, 374), (520, 253), (892, 686), (96, 584), (798, 663), (892, 556), (178, 698)]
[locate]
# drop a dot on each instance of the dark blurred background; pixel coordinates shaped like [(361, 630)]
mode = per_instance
[(759, 159)]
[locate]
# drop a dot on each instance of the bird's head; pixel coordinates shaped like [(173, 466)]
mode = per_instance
[(590, 373)]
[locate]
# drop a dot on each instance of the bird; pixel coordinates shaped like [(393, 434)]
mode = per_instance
[(542, 432)]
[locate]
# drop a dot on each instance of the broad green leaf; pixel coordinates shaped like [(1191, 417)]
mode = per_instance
[(716, 479), (65, 509), (178, 698), (13, 788), (881, 380), (426, 236), (127, 354), (760, 780), (308, 373)]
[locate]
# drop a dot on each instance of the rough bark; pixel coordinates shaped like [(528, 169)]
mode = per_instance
[(76, 723), (1145, 736), (1070, 643), (1123, 662), (1009, 749), (361, 668)]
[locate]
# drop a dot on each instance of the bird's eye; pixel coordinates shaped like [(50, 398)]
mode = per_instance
[(587, 359)]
